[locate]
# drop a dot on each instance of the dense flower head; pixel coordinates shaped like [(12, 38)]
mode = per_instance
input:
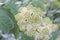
[(31, 21)]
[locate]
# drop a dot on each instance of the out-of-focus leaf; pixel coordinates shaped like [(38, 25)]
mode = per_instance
[(2, 0), (38, 4), (44, 1), (51, 13), (12, 7), (57, 20), (15, 30), (6, 24), (26, 37), (55, 35)]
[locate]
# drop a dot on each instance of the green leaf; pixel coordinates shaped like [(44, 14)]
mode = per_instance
[(38, 4), (15, 30), (55, 35), (57, 20), (2, 0), (12, 7), (25, 36), (44, 1), (6, 24)]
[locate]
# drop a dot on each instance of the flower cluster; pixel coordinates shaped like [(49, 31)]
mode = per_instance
[(31, 21)]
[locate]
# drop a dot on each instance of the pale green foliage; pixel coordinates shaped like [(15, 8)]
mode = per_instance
[(6, 23)]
